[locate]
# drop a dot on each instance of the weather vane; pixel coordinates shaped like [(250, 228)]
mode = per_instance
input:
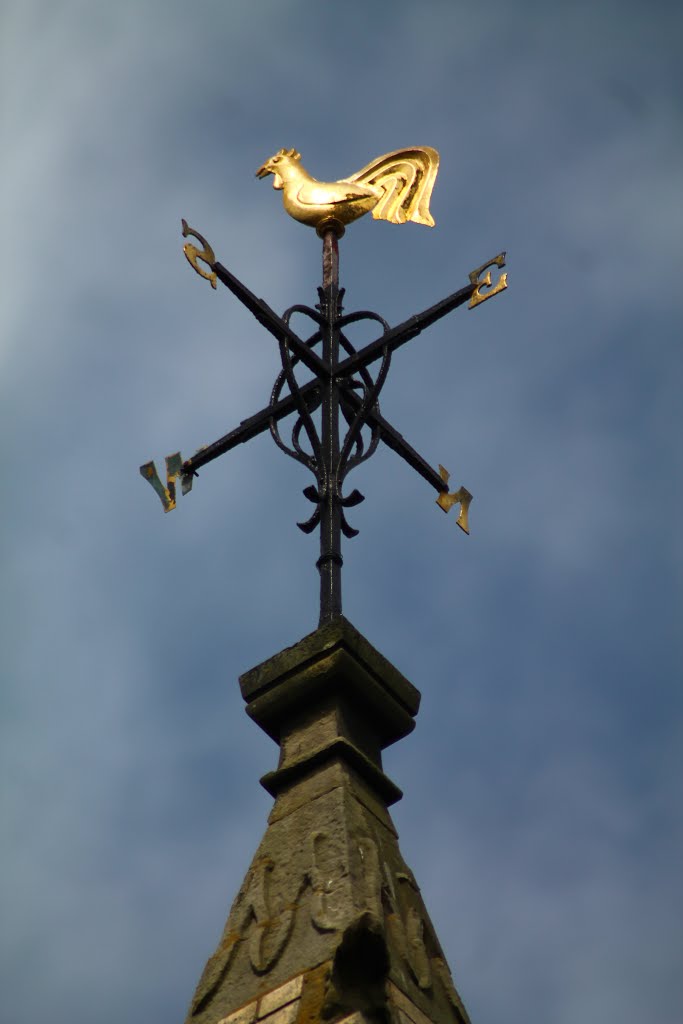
[(396, 187)]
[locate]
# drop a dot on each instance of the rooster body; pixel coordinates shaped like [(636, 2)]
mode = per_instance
[(396, 187)]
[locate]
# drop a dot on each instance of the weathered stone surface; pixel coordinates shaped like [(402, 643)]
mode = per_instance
[(329, 922), (335, 656)]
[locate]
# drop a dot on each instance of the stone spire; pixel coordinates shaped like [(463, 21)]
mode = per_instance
[(329, 924)]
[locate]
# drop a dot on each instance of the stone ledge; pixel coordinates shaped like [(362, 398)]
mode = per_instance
[(339, 749), (335, 657)]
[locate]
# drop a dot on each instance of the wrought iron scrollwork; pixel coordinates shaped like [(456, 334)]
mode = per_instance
[(358, 396), (340, 390)]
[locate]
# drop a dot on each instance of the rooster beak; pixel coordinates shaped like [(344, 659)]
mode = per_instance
[(263, 171)]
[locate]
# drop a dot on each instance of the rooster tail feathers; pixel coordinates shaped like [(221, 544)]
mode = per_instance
[(404, 180)]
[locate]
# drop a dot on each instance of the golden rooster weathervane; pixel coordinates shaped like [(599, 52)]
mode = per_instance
[(397, 187)]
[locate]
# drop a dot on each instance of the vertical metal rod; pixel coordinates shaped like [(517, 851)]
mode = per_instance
[(330, 561)]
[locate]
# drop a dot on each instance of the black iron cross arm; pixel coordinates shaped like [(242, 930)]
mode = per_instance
[(397, 442), (260, 421), (270, 320), (388, 342), (339, 385), (251, 427), (274, 324), (392, 339), (406, 331)]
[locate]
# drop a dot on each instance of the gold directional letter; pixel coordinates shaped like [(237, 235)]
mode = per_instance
[(192, 254), (174, 469), (485, 282), (462, 497)]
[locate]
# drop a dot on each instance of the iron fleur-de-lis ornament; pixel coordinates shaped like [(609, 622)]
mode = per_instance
[(396, 187)]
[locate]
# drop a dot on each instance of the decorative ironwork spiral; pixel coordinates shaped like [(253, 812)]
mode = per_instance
[(358, 396)]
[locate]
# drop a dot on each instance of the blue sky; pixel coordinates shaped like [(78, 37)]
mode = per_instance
[(542, 811)]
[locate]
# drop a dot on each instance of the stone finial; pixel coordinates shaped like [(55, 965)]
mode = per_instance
[(329, 924)]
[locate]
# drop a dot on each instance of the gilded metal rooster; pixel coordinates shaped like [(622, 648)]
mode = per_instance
[(397, 187)]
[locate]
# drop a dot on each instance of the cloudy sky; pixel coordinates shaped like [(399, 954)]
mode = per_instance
[(542, 811)]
